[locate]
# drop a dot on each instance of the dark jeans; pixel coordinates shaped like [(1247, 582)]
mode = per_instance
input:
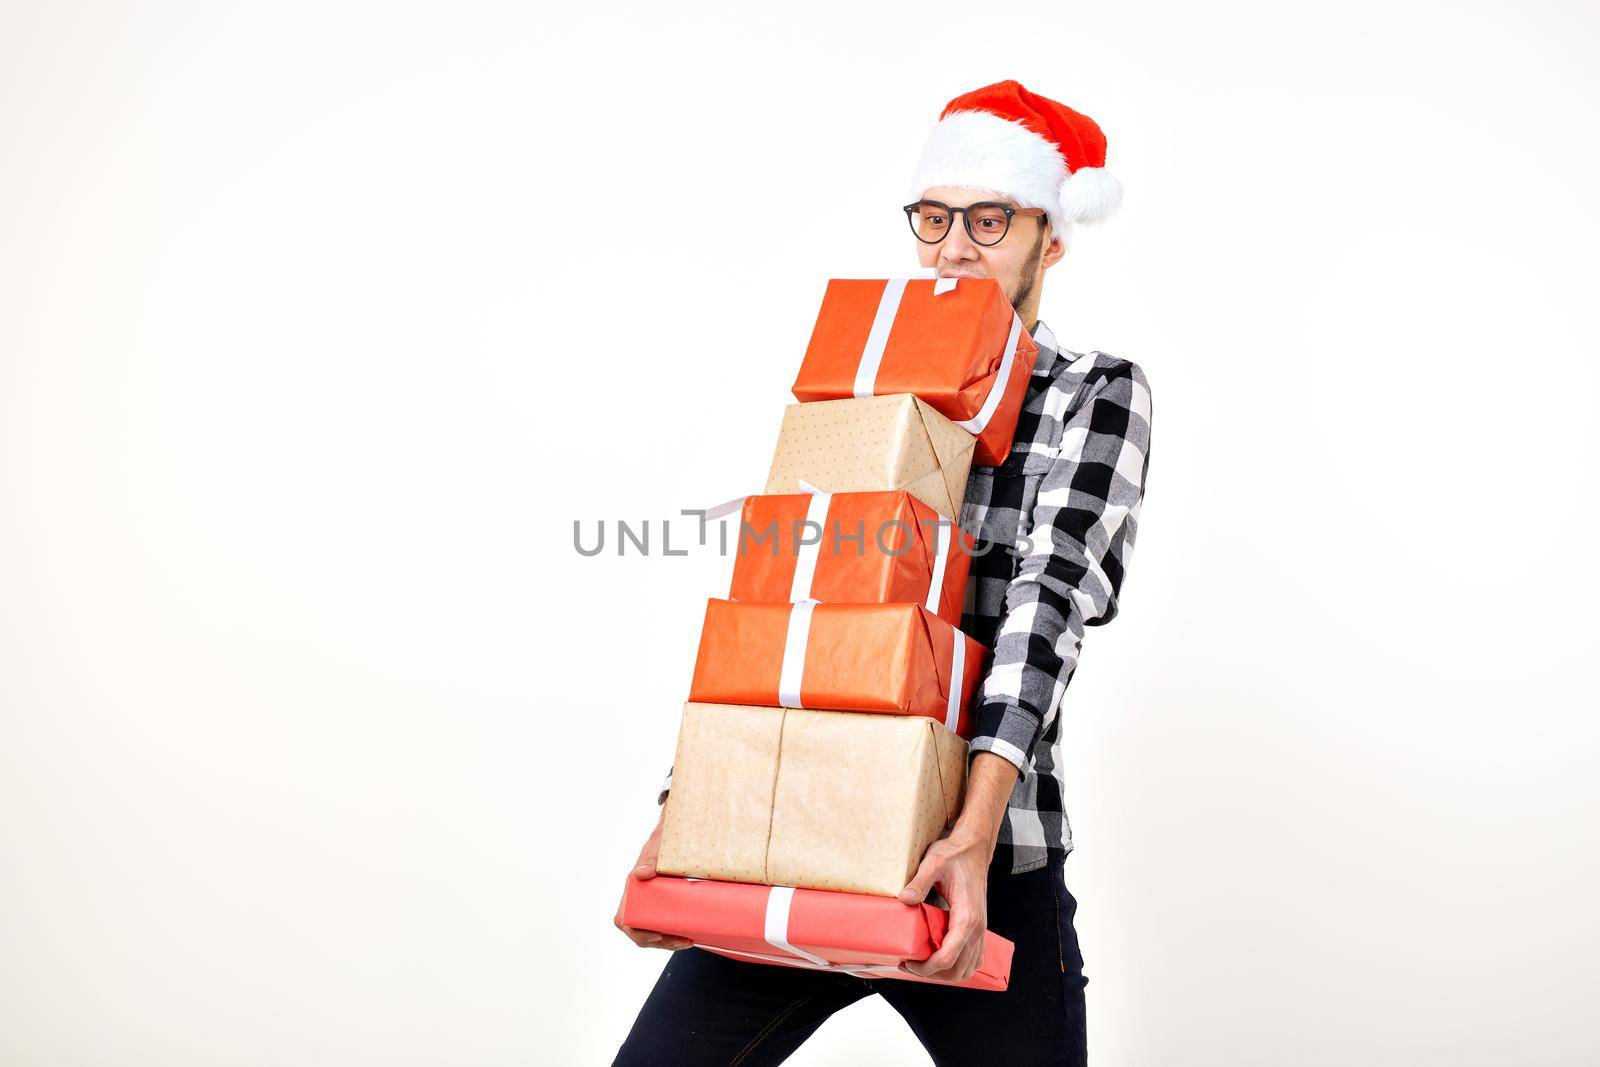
[(709, 1010)]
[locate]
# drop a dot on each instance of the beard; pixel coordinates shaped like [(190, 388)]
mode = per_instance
[(1030, 273)]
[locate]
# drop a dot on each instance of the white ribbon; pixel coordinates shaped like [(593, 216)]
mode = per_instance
[(775, 930), (793, 669), (794, 654), (858, 969), (882, 322), (958, 664), (727, 507), (997, 388), (805, 559), (943, 538), (780, 898)]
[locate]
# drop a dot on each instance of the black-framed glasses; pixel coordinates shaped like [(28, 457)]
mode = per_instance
[(987, 221)]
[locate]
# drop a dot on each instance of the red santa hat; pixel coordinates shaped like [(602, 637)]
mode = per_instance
[(1024, 147)]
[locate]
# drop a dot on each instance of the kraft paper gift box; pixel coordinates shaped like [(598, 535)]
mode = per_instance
[(875, 444), (846, 932), (835, 800), (871, 548), (899, 659), (955, 343)]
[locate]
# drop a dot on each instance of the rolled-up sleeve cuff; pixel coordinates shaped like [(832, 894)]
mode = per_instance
[(1006, 730)]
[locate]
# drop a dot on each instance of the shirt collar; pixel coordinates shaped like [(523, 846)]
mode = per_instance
[(1046, 340)]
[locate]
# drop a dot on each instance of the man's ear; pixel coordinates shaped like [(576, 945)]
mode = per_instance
[(1055, 251)]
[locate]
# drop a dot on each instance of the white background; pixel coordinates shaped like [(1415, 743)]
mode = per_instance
[(322, 323)]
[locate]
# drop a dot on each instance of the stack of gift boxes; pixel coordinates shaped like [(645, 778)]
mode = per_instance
[(823, 747)]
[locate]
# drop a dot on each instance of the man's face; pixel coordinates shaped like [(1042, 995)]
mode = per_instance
[(1018, 262)]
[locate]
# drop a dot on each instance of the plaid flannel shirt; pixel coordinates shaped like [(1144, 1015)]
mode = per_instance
[(1054, 527), (1067, 502)]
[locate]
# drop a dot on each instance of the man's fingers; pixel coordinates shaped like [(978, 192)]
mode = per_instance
[(962, 947), (640, 937), (916, 890), (963, 926), (927, 969), (961, 967), (942, 960), (643, 868), (971, 956), (654, 939)]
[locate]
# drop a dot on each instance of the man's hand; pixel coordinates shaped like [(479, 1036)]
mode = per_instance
[(959, 866), (960, 870), (643, 868)]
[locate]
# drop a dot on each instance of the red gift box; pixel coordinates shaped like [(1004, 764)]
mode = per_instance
[(899, 659), (848, 932), (863, 548), (955, 343)]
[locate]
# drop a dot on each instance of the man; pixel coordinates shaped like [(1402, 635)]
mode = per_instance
[(1004, 176)]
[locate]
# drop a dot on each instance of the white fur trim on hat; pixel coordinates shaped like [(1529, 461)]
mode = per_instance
[(981, 150)]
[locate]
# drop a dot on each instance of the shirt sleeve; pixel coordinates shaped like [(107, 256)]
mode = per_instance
[(1073, 561)]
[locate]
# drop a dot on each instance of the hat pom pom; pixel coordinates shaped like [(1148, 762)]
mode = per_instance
[(1090, 195)]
